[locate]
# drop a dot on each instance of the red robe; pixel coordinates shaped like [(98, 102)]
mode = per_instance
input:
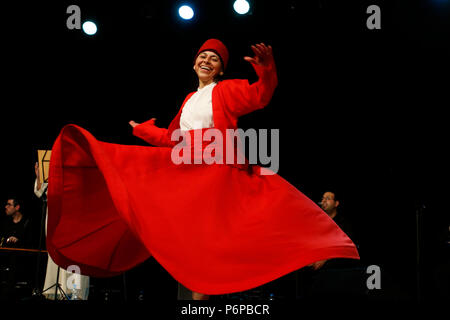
[(215, 228)]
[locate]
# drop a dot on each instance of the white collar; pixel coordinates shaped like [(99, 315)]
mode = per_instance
[(212, 84)]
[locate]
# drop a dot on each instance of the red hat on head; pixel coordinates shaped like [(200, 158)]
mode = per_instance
[(218, 47)]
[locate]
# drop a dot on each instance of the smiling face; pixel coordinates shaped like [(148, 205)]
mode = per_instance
[(207, 66)]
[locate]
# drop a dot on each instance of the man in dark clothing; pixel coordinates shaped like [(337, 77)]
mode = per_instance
[(14, 233), (330, 205), (15, 228), (340, 278)]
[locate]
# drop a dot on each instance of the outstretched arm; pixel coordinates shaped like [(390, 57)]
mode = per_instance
[(150, 133)]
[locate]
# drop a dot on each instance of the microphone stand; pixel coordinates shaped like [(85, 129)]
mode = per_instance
[(57, 287), (36, 291)]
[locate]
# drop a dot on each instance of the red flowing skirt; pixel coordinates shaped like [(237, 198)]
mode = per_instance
[(215, 228)]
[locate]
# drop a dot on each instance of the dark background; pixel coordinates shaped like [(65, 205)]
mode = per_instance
[(359, 111)]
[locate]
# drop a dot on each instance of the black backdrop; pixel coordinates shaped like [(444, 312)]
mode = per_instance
[(360, 111)]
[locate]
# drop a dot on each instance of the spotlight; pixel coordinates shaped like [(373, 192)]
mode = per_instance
[(89, 28), (241, 6), (186, 12)]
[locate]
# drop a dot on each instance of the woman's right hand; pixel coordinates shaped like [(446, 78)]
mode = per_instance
[(134, 124)]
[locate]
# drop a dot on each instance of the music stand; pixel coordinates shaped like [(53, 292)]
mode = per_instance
[(44, 165)]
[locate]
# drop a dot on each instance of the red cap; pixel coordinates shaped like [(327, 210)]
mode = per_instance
[(218, 47)]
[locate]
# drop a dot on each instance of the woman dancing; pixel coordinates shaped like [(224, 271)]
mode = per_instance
[(216, 227)]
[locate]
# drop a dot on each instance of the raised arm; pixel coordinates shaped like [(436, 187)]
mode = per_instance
[(245, 97)]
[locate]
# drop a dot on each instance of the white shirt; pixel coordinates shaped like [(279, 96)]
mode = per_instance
[(197, 112)]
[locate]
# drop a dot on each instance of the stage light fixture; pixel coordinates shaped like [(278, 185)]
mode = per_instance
[(186, 12), (241, 6), (90, 28)]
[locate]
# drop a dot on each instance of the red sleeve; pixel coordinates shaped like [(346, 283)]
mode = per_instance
[(152, 134), (243, 98)]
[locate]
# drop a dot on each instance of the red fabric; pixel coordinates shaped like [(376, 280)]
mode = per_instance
[(215, 228)]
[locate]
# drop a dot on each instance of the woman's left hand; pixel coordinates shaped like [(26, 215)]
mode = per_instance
[(263, 55)]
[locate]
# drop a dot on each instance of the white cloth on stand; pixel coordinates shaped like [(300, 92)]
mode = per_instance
[(64, 275)]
